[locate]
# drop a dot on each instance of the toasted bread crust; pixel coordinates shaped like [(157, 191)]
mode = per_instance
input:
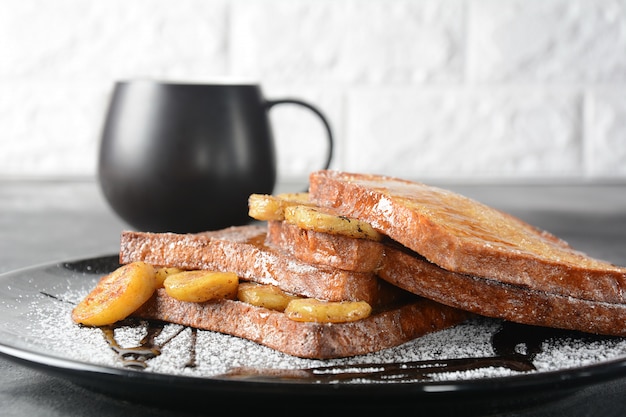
[(241, 249), (465, 236), (495, 299), (305, 339), (337, 251)]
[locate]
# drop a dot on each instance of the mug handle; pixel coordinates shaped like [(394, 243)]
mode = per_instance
[(271, 103)]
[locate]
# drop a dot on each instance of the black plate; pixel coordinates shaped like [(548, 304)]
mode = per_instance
[(36, 331)]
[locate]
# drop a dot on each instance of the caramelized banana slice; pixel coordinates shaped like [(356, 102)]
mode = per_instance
[(268, 296), (117, 295), (302, 198), (310, 309), (162, 273), (272, 207), (201, 286), (319, 220)]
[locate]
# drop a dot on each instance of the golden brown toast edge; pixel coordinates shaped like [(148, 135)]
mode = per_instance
[(334, 250)]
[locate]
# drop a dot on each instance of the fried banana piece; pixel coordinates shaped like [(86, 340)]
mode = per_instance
[(272, 207), (268, 296), (313, 310), (319, 220), (201, 286), (302, 198), (117, 295), (162, 273)]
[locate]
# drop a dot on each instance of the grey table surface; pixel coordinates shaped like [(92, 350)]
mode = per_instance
[(49, 221)]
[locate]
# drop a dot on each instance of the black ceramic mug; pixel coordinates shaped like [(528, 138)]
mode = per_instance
[(185, 157)]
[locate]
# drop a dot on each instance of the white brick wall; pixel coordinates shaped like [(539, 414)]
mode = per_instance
[(453, 89)]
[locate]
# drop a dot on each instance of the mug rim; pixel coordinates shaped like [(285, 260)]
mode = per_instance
[(223, 81)]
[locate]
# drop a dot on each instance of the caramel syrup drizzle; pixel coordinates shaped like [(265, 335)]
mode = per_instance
[(138, 356), (506, 343)]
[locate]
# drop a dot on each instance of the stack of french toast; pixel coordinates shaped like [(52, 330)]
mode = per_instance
[(358, 264)]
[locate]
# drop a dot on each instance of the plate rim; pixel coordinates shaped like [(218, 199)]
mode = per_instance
[(566, 380)]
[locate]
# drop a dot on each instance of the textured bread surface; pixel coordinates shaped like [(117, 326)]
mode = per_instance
[(242, 250), (495, 299), (381, 330), (338, 251), (467, 237)]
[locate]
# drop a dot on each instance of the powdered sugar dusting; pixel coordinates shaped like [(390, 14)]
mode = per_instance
[(190, 352)]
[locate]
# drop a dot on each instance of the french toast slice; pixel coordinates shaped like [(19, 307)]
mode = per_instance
[(385, 328), (467, 237), (242, 250)]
